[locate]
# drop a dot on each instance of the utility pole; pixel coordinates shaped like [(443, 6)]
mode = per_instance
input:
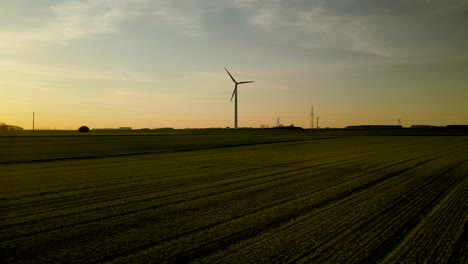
[(317, 122), (312, 117), (33, 121), (277, 122)]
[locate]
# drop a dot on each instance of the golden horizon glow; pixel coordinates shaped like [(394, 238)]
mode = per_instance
[(153, 64)]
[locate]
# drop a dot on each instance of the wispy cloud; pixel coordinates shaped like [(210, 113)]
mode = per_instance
[(386, 29), (112, 74), (186, 21), (68, 21), (73, 20), (245, 3), (313, 27), (81, 19)]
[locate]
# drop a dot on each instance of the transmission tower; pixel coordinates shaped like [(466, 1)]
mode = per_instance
[(399, 122), (277, 122), (317, 122)]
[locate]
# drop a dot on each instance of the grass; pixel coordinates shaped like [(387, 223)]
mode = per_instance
[(233, 197)]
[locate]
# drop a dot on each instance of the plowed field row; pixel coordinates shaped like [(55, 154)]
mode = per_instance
[(353, 199)]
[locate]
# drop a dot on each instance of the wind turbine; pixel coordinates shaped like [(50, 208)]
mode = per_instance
[(234, 94)]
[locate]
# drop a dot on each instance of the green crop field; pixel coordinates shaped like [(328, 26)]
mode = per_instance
[(233, 197)]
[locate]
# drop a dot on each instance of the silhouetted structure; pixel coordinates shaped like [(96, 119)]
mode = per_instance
[(457, 126), (234, 93), (372, 127), (424, 126), (312, 117), (287, 127), (83, 129), (5, 127)]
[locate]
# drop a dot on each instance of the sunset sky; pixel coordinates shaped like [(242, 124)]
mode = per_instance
[(160, 63)]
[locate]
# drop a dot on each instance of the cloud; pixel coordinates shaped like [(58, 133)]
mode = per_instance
[(245, 3), (75, 20), (113, 74), (311, 26), (72, 20), (80, 19), (265, 18), (377, 28), (187, 22)]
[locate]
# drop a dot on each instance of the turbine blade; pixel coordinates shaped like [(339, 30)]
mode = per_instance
[(230, 75), (246, 82), (233, 93)]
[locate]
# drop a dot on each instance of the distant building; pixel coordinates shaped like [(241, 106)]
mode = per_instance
[(373, 127), (424, 126), (458, 126)]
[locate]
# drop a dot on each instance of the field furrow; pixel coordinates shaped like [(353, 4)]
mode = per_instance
[(173, 199), (356, 209), (441, 231), (354, 199)]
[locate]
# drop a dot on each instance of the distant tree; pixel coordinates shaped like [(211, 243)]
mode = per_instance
[(287, 127), (83, 129), (5, 127)]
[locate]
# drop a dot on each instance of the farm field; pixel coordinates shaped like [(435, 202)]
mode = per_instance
[(234, 198)]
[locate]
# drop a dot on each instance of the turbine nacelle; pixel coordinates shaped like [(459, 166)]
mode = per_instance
[(232, 78), (236, 83)]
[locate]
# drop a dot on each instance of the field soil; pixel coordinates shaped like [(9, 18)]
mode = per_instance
[(292, 197)]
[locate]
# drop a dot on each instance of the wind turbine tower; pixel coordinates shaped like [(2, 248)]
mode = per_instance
[(234, 94)]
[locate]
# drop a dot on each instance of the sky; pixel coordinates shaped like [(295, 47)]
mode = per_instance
[(160, 63)]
